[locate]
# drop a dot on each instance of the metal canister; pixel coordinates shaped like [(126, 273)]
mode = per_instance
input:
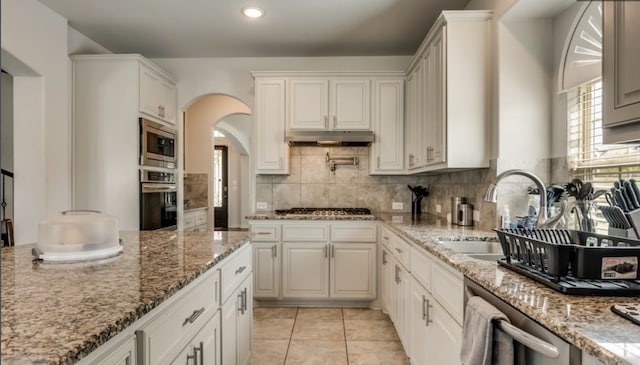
[(455, 205), (465, 215)]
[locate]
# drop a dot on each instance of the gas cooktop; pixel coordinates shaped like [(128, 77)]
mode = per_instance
[(324, 212)]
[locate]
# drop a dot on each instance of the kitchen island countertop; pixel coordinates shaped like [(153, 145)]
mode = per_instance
[(585, 321), (54, 313)]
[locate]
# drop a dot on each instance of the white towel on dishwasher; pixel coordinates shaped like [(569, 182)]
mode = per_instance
[(482, 344)]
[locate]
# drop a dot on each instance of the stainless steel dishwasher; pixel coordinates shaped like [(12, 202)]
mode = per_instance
[(541, 346)]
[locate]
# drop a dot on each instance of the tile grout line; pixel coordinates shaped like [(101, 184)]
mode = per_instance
[(291, 336), (344, 329)]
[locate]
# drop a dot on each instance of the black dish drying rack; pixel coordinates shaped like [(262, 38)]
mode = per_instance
[(573, 262)]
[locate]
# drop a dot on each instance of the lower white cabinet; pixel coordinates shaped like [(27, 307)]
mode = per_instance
[(236, 324), (329, 270), (204, 348), (266, 268), (195, 220), (400, 292), (305, 268), (386, 276), (418, 326)]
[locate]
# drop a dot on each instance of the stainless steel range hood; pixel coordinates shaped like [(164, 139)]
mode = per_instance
[(329, 138)]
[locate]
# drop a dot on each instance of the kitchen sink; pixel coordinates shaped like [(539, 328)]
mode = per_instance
[(481, 250)]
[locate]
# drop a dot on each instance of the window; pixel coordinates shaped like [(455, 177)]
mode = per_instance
[(588, 158)]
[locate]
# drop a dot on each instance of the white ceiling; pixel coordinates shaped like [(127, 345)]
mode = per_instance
[(216, 28)]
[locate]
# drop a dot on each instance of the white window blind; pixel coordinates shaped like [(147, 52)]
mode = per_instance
[(588, 158)]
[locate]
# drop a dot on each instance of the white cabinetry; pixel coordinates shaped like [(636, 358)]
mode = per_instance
[(266, 260), (323, 104), (386, 276), (237, 308), (121, 355), (157, 95), (388, 127), (195, 220), (272, 153), (425, 301), (319, 260), (449, 95), (621, 77), (106, 107)]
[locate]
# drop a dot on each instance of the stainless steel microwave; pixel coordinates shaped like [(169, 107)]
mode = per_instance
[(157, 145)]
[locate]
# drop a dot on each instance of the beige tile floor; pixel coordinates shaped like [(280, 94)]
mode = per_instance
[(319, 336)]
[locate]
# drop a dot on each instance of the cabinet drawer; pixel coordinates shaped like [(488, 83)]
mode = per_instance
[(353, 232), (265, 233), (235, 271), (167, 333), (402, 250), (446, 288), (421, 267), (387, 237), (189, 221), (305, 233)]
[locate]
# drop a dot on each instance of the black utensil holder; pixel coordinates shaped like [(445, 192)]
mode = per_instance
[(416, 207)]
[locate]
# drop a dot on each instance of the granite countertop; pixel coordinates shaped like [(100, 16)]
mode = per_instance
[(585, 321), (59, 313), (270, 215)]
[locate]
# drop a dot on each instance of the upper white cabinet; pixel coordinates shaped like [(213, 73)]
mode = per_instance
[(107, 103), (621, 76), (158, 95), (329, 104), (449, 95), (272, 153), (388, 127)]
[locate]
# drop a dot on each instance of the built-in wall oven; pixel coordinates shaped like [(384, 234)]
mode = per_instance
[(157, 145), (158, 199)]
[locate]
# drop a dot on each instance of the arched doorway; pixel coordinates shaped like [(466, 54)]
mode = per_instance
[(230, 115)]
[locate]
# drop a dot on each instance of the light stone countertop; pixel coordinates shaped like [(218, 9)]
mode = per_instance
[(54, 313), (585, 321)]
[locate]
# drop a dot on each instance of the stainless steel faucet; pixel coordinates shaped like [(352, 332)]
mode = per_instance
[(491, 195)]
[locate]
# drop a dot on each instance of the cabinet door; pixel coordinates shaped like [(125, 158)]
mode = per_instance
[(436, 122), (414, 134), (386, 276), (229, 318), (271, 150), (308, 106), (388, 121), (243, 324), (444, 339), (157, 95), (266, 269), (305, 270), (400, 294), (353, 270), (350, 105), (621, 76), (418, 324)]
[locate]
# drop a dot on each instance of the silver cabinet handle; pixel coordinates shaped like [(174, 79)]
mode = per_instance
[(378, 162), (192, 318), (429, 320), (333, 251), (274, 251), (192, 357), (199, 349), (335, 121), (240, 303), (240, 270), (326, 122), (397, 274), (399, 250), (261, 233), (325, 251), (424, 308), (384, 257)]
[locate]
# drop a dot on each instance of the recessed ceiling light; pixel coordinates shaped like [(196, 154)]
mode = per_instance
[(253, 12)]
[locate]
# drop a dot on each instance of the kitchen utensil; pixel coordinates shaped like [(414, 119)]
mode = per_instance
[(584, 191), (635, 188), (608, 216), (609, 199), (635, 201), (455, 206), (465, 215), (627, 199), (620, 201)]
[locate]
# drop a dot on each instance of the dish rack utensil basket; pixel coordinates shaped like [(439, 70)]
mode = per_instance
[(563, 252)]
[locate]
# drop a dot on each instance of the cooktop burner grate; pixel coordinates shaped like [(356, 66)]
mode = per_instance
[(324, 211)]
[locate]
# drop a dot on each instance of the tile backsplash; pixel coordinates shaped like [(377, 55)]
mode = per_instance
[(311, 184)]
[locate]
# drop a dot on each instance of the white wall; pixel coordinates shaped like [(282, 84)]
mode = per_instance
[(81, 44), (36, 37)]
